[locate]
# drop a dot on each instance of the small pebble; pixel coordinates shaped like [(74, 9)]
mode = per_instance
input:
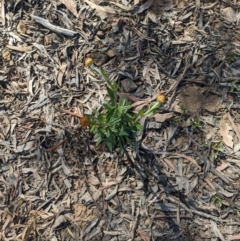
[(128, 85)]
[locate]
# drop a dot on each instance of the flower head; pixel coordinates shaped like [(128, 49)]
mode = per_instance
[(88, 61), (161, 98), (85, 121)]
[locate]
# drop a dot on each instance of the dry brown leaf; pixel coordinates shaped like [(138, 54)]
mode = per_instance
[(93, 180), (61, 73), (162, 117), (146, 73), (55, 147), (21, 28), (138, 105), (143, 236), (60, 220), (2, 11), (224, 131), (130, 97), (229, 14), (26, 232), (102, 12), (210, 184), (235, 126), (112, 194), (6, 55), (136, 2), (71, 5), (143, 7), (216, 230), (188, 158), (169, 163), (233, 237), (20, 48), (222, 167), (96, 193)]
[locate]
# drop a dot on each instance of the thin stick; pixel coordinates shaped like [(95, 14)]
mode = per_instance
[(54, 28)]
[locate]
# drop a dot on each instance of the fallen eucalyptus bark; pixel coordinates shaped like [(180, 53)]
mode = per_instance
[(201, 214), (54, 28)]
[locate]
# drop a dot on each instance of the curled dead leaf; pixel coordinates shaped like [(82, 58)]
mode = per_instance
[(22, 28), (102, 12), (162, 117), (6, 55), (225, 131), (71, 5), (93, 180)]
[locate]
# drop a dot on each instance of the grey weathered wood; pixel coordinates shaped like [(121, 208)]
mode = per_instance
[(54, 28)]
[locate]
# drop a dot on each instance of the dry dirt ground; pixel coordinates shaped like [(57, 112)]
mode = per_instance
[(180, 181)]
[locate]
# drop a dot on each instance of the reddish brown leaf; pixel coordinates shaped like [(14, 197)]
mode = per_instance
[(71, 5)]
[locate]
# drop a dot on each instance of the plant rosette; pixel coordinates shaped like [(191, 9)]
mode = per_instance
[(116, 124)]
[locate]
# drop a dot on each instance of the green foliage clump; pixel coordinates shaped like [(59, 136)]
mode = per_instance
[(231, 57), (217, 201), (216, 149), (183, 115), (197, 123), (115, 124)]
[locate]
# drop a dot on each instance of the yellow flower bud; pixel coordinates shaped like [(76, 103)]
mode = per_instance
[(88, 61), (161, 99)]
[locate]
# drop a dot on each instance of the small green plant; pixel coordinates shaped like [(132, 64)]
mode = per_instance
[(183, 115), (197, 123), (230, 58), (115, 124), (217, 201), (185, 111), (235, 86), (216, 149)]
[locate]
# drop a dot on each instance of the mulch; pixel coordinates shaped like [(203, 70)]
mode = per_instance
[(180, 180)]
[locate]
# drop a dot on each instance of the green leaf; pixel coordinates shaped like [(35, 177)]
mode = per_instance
[(122, 101), (93, 128), (101, 118), (108, 106), (106, 132), (152, 108), (104, 75), (98, 137), (112, 85), (109, 143), (139, 127), (124, 108), (123, 133), (114, 121), (99, 140), (127, 118), (140, 114), (112, 95), (110, 115), (114, 131)]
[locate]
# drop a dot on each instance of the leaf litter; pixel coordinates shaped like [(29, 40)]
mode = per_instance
[(181, 179)]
